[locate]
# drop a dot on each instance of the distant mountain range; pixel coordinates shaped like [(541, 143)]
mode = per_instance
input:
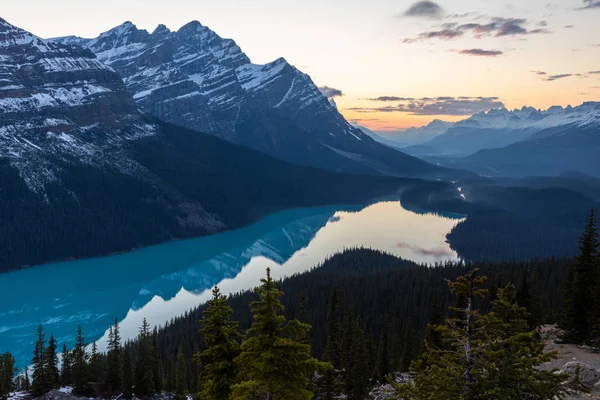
[(411, 136), (514, 143), (83, 172), (196, 79)]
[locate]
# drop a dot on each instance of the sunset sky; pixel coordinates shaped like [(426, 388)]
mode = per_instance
[(395, 63)]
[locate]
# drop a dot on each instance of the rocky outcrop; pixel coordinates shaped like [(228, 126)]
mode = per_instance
[(56, 395), (588, 376)]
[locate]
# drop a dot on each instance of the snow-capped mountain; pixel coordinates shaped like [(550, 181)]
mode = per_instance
[(500, 127), (59, 102), (194, 78)]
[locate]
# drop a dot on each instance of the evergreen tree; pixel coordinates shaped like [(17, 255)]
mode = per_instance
[(80, 364), (181, 390), (273, 363), (26, 382), (39, 384), (113, 358), (127, 378), (96, 370), (433, 338), (66, 365), (357, 377), (7, 372), (382, 363), (493, 356), (220, 338), (157, 372), (334, 331), (577, 316), (409, 349), (144, 363), (52, 374)]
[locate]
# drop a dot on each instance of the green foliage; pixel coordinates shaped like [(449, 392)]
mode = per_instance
[(80, 364), (274, 363), (66, 367), (113, 358), (491, 356), (39, 383), (144, 363), (220, 335), (127, 378), (7, 372), (52, 375), (578, 318), (96, 368), (181, 390)]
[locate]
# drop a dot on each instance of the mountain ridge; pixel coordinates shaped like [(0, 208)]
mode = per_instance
[(194, 78)]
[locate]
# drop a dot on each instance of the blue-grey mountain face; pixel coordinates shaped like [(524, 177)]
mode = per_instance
[(498, 128), (544, 143), (59, 104), (196, 79)]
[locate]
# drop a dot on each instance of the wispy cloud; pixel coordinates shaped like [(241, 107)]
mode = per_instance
[(559, 76), (497, 27), (590, 4), (425, 9), (569, 26), (458, 106), (330, 92), (549, 78), (481, 52)]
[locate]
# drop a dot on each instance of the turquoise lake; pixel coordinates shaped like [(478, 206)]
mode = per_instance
[(163, 281)]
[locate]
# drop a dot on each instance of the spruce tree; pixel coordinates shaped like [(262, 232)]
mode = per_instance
[(382, 363), (274, 364), (127, 378), (26, 382), (577, 315), (96, 370), (334, 331), (7, 372), (39, 384), (493, 356), (433, 338), (220, 335), (181, 390), (52, 374), (66, 366), (80, 364), (113, 359), (156, 369), (143, 375)]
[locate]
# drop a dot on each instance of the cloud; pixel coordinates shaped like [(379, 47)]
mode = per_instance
[(435, 252), (425, 9), (444, 34), (559, 76), (589, 4), (569, 26), (497, 27), (549, 78), (330, 92), (458, 106), (481, 52)]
